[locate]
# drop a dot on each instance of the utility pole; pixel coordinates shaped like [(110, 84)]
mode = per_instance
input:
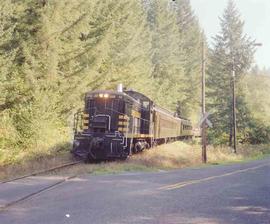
[(204, 127), (234, 112)]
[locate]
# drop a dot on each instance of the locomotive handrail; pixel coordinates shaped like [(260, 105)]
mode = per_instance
[(76, 120)]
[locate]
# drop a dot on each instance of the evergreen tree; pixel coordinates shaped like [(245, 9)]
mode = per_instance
[(175, 35), (6, 52), (190, 43), (233, 50), (8, 134)]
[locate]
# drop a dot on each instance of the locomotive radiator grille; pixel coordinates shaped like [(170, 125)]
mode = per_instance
[(123, 123)]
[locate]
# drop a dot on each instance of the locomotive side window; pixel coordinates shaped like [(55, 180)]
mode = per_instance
[(146, 105)]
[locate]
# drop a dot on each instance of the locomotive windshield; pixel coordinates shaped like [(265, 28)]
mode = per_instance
[(105, 106)]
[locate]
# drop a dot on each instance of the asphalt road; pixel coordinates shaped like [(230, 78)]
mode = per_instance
[(238, 193)]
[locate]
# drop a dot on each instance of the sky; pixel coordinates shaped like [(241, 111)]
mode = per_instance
[(255, 13)]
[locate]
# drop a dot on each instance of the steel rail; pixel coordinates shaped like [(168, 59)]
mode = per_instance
[(41, 172)]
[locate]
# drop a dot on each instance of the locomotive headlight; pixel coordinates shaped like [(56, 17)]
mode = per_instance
[(106, 95), (76, 143), (101, 95)]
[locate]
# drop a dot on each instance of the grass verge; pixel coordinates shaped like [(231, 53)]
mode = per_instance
[(171, 156)]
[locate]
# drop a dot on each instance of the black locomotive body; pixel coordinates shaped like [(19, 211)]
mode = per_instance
[(116, 124)]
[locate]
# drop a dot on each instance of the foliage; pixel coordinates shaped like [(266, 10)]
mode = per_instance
[(52, 52)]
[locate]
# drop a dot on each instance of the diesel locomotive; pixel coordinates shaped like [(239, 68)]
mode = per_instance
[(116, 124)]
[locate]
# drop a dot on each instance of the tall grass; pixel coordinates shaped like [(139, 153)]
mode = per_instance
[(181, 154)]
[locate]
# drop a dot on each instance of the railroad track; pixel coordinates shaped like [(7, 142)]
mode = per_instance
[(42, 171), (46, 188)]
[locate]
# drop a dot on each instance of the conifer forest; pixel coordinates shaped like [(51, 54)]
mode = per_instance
[(52, 52)]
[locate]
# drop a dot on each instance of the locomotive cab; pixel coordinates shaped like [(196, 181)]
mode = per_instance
[(146, 110)]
